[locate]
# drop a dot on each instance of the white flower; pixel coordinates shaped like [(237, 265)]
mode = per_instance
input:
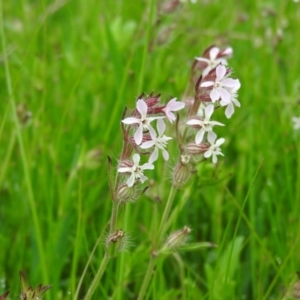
[(221, 85), (233, 100), (213, 59), (172, 105), (296, 121), (144, 121), (159, 142), (206, 124), (136, 170), (214, 149)]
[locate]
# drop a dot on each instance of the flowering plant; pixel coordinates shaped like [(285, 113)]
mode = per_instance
[(144, 138)]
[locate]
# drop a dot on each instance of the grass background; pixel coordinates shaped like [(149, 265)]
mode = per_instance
[(73, 66)]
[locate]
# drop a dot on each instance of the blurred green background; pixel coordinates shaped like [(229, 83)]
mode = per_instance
[(73, 67)]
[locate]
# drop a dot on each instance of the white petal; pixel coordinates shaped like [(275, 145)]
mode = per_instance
[(147, 144), (208, 111), (220, 71), (130, 180), (227, 51), (177, 106), (125, 170), (202, 59), (165, 154), (211, 136), (161, 127), (208, 153), (143, 178), (224, 102), (215, 158), (194, 122), (136, 159), (142, 107), (229, 111), (138, 136), (229, 82), (207, 83), (199, 136), (147, 166), (153, 156), (219, 142), (213, 52), (236, 102), (211, 139), (214, 123), (214, 95), (131, 120), (224, 94)]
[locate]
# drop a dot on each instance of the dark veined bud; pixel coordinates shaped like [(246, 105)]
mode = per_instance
[(175, 240), (195, 149), (182, 172), (125, 193), (125, 164)]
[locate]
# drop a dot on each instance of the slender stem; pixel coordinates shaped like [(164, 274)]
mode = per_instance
[(157, 240), (166, 213), (147, 278), (114, 217), (100, 238), (32, 202), (97, 278)]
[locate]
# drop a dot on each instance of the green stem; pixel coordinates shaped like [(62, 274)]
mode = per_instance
[(147, 278), (157, 240), (31, 199), (163, 222), (97, 278)]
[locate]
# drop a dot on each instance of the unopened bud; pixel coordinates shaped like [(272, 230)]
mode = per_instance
[(125, 164), (181, 172), (195, 149), (176, 239), (125, 193)]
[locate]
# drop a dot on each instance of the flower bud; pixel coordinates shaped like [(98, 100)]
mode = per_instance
[(125, 193), (125, 164), (182, 172), (195, 149), (175, 240)]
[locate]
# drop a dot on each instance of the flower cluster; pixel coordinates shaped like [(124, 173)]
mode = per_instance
[(144, 129), (140, 134), (214, 88)]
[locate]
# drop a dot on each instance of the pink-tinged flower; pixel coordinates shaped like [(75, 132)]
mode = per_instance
[(296, 121), (214, 149), (158, 142), (172, 105), (144, 122), (206, 124), (212, 58), (136, 171), (221, 85)]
